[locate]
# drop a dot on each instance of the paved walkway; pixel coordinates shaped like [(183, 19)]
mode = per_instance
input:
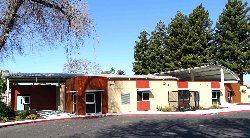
[(230, 109), (50, 115)]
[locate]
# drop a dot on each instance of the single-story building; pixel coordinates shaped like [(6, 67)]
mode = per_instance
[(109, 93)]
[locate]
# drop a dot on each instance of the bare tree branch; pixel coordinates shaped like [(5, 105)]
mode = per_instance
[(54, 6), (9, 21), (48, 21)]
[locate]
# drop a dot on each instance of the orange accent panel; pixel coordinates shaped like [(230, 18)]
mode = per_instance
[(80, 84), (142, 83), (236, 94), (143, 105), (215, 84), (182, 84)]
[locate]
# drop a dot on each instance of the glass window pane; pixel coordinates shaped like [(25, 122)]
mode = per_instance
[(27, 100), (214, 94), (146, 96), (90, 98), (139, 96)]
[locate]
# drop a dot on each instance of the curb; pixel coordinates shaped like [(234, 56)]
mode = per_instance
[(110, 115), (205, 114), (48, 120)]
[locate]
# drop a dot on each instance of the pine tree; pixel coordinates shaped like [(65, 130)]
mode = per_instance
[(233, 37), (141, 52), (156, 48), (196, 48), (177, 33)]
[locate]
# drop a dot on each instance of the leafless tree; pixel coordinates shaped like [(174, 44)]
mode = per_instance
[(42, 23), (81, 66)]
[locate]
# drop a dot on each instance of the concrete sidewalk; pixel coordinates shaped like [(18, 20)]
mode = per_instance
[(231, 108), (50, 115)]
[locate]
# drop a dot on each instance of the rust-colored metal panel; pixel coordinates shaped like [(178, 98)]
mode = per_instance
[(81, 84), (236, 94), (42, 97)]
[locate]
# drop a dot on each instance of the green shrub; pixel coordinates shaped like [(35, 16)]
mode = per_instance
[(23, 114), (18, 118), (214, 106), (5, 110), (5, 119), (166, 108), (201, 108), (32, 116)]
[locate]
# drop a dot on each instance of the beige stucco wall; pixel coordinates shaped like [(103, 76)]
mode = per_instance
[(115, 89), (158, 94), (245, 94), (204, 88), (160, 91)]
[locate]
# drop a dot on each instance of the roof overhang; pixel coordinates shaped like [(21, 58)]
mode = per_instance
[(144, 89), (210, 72), (38, 77)]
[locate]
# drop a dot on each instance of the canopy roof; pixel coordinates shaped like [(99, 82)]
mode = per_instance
[(210, 72)]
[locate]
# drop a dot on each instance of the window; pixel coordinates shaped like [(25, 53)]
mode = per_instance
[(142, 95), (183, 94), (125, 98), (90, 98), (26, 99), (215, 97)]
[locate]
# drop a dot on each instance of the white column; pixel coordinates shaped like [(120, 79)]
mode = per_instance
[(222, 76), (8, 90), (222, 87)]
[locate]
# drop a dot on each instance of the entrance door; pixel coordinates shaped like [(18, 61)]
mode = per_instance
[(93, 103), (23, 102), (229, 96)]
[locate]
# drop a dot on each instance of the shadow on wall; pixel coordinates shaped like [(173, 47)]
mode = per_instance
[(114, 103)]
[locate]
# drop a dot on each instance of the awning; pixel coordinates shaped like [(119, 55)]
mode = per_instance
[(144, 89), (210, 72)]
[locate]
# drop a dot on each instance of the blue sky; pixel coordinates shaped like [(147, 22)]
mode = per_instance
[(118, 24)]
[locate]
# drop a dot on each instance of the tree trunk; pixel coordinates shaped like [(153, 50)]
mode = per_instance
[(241, 78)]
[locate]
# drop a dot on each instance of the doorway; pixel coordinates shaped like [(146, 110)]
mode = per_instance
[(23, 102), (93, 102)]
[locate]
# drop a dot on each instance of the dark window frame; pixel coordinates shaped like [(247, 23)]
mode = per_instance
[(140, 95)]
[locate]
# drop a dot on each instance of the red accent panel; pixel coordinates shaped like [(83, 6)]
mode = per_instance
[(142, 83), (182, 84), (215, 84), (143, 105)]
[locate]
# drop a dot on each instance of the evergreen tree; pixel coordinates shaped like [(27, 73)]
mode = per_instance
[(177, 33), (232, 37), (156, 45), (141, 53), (196, 48)]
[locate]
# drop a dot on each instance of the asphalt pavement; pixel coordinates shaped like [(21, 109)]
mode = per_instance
[(228, 125)]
